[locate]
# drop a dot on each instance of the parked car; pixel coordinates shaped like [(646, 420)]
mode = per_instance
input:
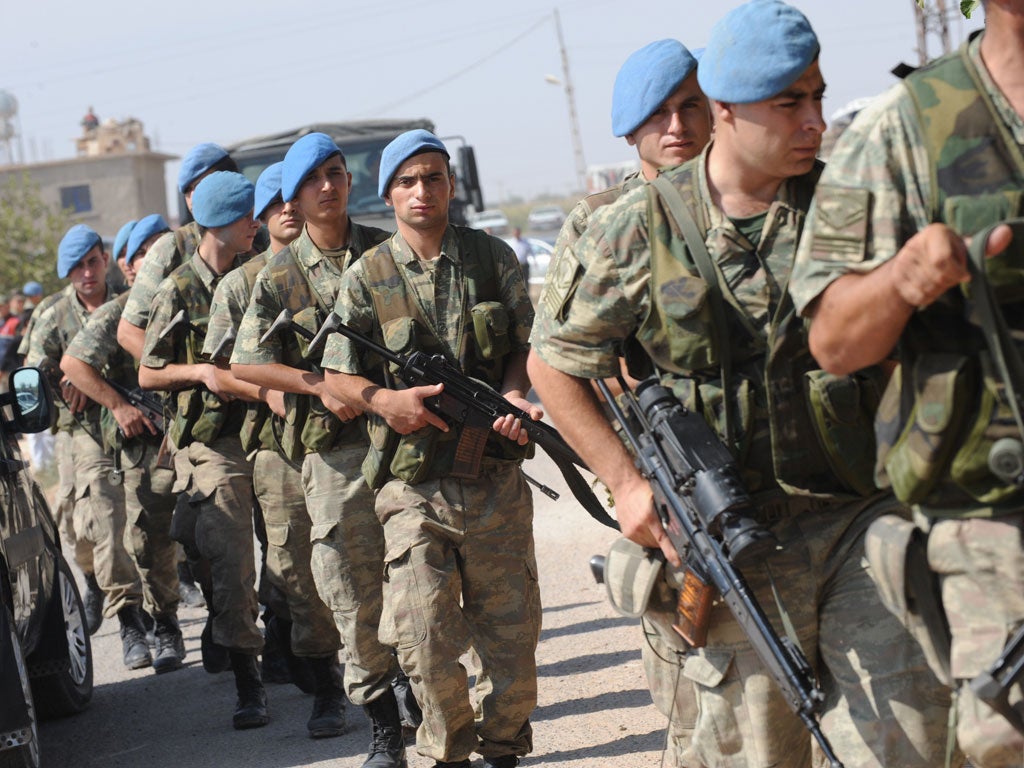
[(45, 653), (491, 219), (539, 258), (545, 217)]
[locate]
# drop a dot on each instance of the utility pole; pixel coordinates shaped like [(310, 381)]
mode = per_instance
[(570, 97), (932, 19)]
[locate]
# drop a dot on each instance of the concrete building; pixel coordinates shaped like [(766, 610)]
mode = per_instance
[(114, 177)]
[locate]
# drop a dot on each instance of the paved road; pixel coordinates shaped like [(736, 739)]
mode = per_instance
[(594, 710)]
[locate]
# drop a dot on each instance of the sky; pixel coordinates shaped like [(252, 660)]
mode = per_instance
[(225, 70)]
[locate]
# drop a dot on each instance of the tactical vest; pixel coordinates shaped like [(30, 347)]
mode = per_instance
[(308, 426), (200, 416), (256, 430), (778, 397), (946, 406), (428, 453)]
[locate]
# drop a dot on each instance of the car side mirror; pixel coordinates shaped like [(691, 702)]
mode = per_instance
[(30, 400)]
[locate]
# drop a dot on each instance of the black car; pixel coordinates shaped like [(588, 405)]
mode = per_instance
[(45, 654)]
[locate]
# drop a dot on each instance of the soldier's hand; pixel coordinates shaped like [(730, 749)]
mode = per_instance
[(634, 509), (929, 264), (75, 398), (404, 410), (511, 427), (999, 240), (131, 420), (274, 398), (213, 383), (338, 408)]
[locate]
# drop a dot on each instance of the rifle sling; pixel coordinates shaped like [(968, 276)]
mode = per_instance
[(581, 489)]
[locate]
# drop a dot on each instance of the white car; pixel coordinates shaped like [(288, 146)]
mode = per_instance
[(492, 220), (546, 217)]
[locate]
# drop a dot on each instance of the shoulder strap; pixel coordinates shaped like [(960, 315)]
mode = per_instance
[(687, 227)]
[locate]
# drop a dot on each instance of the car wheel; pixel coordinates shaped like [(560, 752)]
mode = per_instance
[(68, 688), (20, 748)]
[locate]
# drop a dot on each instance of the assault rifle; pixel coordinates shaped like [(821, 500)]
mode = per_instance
[(705, 510), (475, 406), (150, 406)]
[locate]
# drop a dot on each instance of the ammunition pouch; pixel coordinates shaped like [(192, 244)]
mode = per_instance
[(490, 330)]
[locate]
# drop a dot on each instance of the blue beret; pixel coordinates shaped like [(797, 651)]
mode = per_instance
[(148, 226), (268, 188), (200, 159), (121, 238), (222, 198), (32, 288), (648, 77), (75, 244), (305, 155), (756, 51), (401, 148)]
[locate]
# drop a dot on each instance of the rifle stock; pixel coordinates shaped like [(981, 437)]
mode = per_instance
[(702, 505), (150, 407)]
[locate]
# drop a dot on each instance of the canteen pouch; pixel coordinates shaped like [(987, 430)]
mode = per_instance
[(490, 329)]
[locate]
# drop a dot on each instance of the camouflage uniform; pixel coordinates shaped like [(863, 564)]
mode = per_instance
[(883, 705), (149, 501), (663, 652), (460, 569), (205, 431), (100, 516), (277, 484), (162, 258), (64, 508), (347, 541), (883, 185)]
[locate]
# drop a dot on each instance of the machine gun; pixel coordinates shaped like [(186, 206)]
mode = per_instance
[(149, 406), (474, 406), (704, 508)]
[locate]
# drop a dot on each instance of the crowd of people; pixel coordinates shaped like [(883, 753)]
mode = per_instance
[(776, 298)]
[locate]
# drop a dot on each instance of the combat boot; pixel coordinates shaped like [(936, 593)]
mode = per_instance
[(190, 594), (133, 638), (454, 764), (251, 709), (387, 750), (328, 718), (92, 601), (505, 761), (170, 645), (216, 658), (408, 708)]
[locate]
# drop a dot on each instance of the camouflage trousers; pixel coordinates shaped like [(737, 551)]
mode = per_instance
[(100, 521), (64, 504), (461, 572), (980, 563), (220, 495), (884, 707), (150, 503), (347, 560), (278, 487), (664, 654)]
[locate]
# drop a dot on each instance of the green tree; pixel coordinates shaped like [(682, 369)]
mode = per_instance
[(30, 231)]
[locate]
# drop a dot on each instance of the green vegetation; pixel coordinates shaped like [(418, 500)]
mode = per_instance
[(30, 231)]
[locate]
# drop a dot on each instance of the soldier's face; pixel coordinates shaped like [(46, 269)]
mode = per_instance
[(239, 235), (323, 194), (420, 191), (284, 222), (780, 137), (676, 131), (89, 276)]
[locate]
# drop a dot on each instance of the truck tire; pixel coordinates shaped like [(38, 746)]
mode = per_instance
[(67, 689), (19, 749)]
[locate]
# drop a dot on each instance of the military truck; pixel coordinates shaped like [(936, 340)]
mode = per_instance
[(362, 142)]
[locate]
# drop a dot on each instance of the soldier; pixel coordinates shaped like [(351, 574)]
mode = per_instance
[(747, 374), (325, 435), (277, 481), (658, 106), (92, 358), (172, 250), (459, 551), (882, 276), (99, 511), (205, 429)]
